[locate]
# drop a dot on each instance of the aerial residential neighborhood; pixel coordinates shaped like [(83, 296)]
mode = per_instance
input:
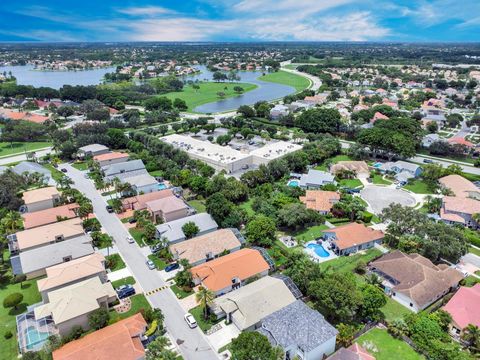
[(240, 180)]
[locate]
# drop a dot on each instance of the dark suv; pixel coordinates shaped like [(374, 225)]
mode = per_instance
[(125, 291)]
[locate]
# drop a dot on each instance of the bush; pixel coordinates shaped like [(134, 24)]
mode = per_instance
[(367, 216), (12, 300), (361, 267), (98, 319), (8, 335), (74, 334)]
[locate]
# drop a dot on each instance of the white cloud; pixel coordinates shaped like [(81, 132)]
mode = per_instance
[(145, 11)]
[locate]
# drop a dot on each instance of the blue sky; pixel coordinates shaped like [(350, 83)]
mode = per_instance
[(245, 20)]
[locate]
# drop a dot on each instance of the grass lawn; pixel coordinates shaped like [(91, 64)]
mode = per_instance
[(387, 346), (137, 235), (156, 173), (203, 324), (7, 149), (473, 250), (348, 263), (80, 165), (351, 183), (471, 281), (198, 205), (418, 187), (207, 93), (312, 233), (117, 260), (139, 302), (159, 263), (247, 206), (286, 78), (7, 316), (56, 174), (125, 281), (393, 310), (379, 180), (179, 292)]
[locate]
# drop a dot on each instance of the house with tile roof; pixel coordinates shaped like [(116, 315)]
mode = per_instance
[(300, 331), (139, 202), (34, 262), (168, 208), (314, 179), (350, 238), (44, 235), (92, 150), (207, 247), (353, 352), (120, 341), (71, 272), (463, 308), (247, 306), (41, 199), (460, 208), (321, 201), (231, 271), (359, 167), (49, 216), (71, 305), (413, 280), (110, 158)]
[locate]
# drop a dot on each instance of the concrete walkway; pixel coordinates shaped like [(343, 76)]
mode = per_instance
[(119, 274)]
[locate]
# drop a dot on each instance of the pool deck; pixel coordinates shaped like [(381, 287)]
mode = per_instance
[(315, 257)]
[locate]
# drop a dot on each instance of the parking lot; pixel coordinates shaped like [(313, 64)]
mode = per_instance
[(380, 197)]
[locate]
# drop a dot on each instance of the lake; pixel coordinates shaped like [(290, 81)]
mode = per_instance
[(266, 91), (56, 79)]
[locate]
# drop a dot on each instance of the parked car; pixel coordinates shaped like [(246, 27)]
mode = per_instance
[(427, 161), (151, 265), (109, 208), (190, 321), (125, 291), (63, 170), (132, 220), (171, 267), (130, 240), (156, 248)]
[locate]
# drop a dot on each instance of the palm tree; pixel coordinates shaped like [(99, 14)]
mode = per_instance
[(108, 241), (65, 182), (12, 221), (471, 335), (204, 297)]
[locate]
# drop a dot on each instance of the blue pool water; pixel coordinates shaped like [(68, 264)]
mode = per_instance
[(318, 249), (35, 337), (377, 165), (161, 186), (293, 183)]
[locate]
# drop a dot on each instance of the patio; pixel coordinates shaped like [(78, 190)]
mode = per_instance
[(319, 251)]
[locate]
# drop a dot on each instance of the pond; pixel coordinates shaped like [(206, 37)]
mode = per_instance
[(265, 91), (26, 75)]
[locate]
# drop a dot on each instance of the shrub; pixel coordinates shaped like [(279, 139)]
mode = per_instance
[(8, 334), (98, 319), (74, 334), (367, 216), (361, 267), (12, 300)]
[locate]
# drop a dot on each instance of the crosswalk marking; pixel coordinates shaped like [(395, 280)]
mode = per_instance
[(151, 292)]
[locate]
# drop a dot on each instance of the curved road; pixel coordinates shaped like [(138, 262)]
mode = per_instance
[(192, 343)]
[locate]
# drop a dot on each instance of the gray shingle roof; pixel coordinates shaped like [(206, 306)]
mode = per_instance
[(93, 148), (123, 167), (46, 256), (33, 167), (172, 231), (297, 325), (316, 178)]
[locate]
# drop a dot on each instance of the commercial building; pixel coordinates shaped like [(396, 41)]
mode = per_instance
[(226, 158)]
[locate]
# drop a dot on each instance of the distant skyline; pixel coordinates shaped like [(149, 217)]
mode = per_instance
[(246, 20)]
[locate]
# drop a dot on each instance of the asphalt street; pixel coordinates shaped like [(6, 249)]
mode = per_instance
[(192, 342)]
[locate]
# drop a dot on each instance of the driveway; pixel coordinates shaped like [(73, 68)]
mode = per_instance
[(380, 197), (192, 342)]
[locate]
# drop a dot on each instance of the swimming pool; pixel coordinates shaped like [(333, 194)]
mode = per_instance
[(35, 337), (293, 183), (319, 250), (377, 165), (162, 186)]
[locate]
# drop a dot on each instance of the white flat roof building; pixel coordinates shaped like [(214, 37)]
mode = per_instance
[(228, 159)]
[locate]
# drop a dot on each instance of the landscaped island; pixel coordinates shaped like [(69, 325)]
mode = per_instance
[(207, 92), (282, 77)]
